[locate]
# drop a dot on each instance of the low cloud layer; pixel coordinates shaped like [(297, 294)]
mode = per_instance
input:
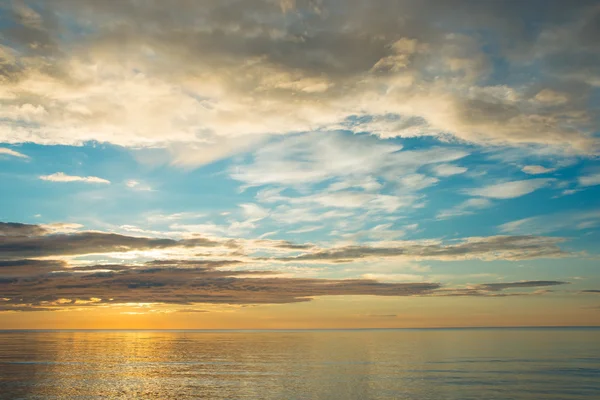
[(484, 248), (174, 282), (186, 282), (29, 278), (25, 241)]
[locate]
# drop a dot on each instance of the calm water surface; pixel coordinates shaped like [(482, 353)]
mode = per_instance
[(372, 364)]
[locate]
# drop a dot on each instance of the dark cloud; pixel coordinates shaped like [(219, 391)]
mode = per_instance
[(382, 315), (187, 282), (25, 241), (192, 263), (21, 268), (17, 229), (293, 246), (497, 289), (10, 308), (203, 283), (32, 241), (494, 287), (595, 291), (505, 247)]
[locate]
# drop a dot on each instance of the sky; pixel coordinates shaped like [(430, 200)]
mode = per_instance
[(299, 164)]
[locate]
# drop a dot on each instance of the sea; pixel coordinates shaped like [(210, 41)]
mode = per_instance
[(436, 364)]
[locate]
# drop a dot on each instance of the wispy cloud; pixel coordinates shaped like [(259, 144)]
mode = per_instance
[(314, 158), (137, 185), (62, 177), (509, 190), (536, 169), (483, 248), (448, 170), (467, 207), (10, 152), (577, 220), (589, 180)]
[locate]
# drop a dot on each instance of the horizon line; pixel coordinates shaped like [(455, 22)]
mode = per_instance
[(208, 330)]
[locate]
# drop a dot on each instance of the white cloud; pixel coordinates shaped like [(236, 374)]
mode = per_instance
[(315, 174), (551, 97), (62, 177), (204, 96), (293, 215), (395, 277), (467, 207), (536, 169), (379, 232), (137, 185), (13, 153), (62, 227), (415, 182), (353, 160), (509, 190), (448, 170), (348, 199), (313, 158), (254, 212), (157, 217), (307, 229), (589, 180), (367, 183), (553, 223)]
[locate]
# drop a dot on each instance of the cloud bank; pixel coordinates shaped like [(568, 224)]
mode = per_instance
[(31, 278), (210, 72)]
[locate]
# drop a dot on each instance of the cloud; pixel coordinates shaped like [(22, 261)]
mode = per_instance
[(61, 227), (18, 229), (448, 170), (293, 246), (553, 223), (317, 157), (254, 212), (62, 177), (137, 185), (13, 269), (518, 285), (210, 73), (30, 277), (498, 289), (24, 241), (482, 248), (306, 229), (317, 176), (551, 97), (184, 283), (536, 169), (46, 285), (509, 190), (467, 207), (9, 152), (589, 180)]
